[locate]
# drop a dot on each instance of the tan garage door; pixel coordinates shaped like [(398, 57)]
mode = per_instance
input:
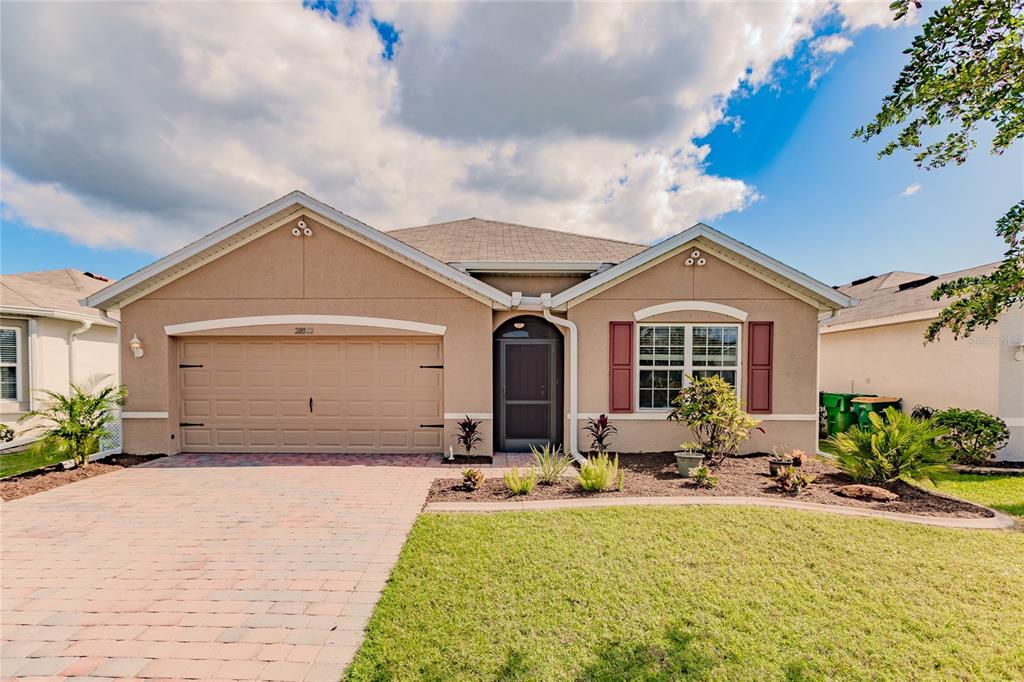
[(329, 394)]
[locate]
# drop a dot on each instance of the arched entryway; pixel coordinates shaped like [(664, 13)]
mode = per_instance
[(528, 391)]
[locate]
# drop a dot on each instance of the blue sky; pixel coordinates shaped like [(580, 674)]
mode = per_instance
[(827, 206)]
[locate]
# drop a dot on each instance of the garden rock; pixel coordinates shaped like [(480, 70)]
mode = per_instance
[(867, 492)]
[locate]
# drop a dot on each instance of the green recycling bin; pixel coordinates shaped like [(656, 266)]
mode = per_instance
[(839, 414), (864, 405)]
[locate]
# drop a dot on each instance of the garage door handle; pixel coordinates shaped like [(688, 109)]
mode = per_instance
[(188, 366), (191, 424), (311, 405), (431, 366), (431, 426)]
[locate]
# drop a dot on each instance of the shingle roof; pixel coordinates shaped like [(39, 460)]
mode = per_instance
[(50, 290), (880, 296), (477, 239)]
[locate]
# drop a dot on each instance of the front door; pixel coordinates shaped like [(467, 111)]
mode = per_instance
[(529, 392)]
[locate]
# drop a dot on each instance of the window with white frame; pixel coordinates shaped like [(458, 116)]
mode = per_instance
[(667, 353), (10, 363)]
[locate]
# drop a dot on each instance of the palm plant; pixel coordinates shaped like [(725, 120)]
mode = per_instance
[(895, 446), (73, 424)]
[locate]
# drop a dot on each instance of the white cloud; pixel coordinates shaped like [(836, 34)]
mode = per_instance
[(834, 43), (146, 125), (912, 189)]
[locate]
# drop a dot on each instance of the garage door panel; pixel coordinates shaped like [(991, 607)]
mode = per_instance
[(369, 394)]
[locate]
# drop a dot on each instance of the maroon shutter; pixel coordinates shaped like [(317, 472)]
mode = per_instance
[(759, 366), (620, 374)]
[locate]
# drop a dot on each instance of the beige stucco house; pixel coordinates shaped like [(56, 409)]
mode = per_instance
[(48, 339), (299, 328), (878, 347)]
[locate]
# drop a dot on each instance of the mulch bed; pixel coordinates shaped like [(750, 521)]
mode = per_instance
[(37, 481), (655, 475), (470, 459)]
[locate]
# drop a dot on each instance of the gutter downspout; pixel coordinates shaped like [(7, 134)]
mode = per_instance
[(86, 326), (817, 367), (573, 372)]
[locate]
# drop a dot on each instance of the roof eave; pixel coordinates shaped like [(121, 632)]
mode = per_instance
[(108, 297)]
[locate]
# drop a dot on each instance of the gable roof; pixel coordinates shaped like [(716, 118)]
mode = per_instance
[(51, 293), (258, 222), (895, 297), (724, 247), (477, 240)]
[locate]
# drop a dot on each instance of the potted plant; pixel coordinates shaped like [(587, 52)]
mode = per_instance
[(779, 461), (709, 408), (690, 457)]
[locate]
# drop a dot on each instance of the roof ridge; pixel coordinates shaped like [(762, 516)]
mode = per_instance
[(528, 227)]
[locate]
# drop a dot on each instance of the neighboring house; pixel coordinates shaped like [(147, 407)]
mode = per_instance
[(49, 339), (878, 347), (298, 328)]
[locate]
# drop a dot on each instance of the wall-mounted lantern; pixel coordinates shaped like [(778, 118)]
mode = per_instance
[(135, 346)]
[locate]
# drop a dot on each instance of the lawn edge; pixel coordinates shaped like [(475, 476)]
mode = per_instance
[(998, 521)]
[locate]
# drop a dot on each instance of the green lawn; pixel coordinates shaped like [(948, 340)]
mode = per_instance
[(1005, 493), (27, 460), (709, 593)]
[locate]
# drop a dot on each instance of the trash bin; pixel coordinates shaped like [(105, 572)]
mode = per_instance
[(839, 414), (864, 405)]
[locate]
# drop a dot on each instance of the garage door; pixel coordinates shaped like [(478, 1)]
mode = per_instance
[(350, 394)]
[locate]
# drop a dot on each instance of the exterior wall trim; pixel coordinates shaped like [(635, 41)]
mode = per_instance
[(661, 415), (261, 320), (918, 316), (144, 415), (678, 306), (471, 415)]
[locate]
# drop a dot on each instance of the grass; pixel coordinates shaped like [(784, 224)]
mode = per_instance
[(1005, 493), (727, 593), (28, 460)]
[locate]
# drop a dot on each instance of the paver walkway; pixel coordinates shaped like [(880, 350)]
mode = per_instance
[(204, 567)]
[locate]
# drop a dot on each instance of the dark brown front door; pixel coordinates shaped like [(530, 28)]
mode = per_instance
[(529, 393)]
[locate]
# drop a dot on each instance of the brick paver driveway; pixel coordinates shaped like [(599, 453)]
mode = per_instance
[(201, 566)]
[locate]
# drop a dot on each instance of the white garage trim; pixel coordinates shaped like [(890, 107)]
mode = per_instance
[(144, 415), (261, 320), (677, 306)]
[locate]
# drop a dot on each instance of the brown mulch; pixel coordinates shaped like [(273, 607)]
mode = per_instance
[(37, 481), (655, 475), (470, 459)]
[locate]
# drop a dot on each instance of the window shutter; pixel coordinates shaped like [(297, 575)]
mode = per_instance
[(759, 366), (620, 375)]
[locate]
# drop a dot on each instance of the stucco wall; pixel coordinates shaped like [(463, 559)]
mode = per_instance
[(977, 373), (532, 285), (327, 274), (45, 363), (794, 400)]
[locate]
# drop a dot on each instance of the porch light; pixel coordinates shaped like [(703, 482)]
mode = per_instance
[(135, 346), (518, 325)]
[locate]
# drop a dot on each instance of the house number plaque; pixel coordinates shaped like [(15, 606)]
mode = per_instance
[(303, 331)]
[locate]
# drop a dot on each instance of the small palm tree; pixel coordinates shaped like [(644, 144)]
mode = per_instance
[(73, 424), (894, 446)]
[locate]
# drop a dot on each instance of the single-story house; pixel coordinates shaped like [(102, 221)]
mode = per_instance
[(299, 328), (48, 339), (878, 347)]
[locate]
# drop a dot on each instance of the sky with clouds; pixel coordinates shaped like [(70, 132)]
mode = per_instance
[(130, 129)]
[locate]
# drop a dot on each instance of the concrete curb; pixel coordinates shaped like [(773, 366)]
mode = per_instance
[(997, 522)]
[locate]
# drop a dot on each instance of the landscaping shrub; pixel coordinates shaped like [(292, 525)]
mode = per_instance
[(791, 482), (600, 473), (469, 435), (975, 436), (472, 478), (702, 477), (551, 464), (521, 482), (6, 433), (892, 447), (600, 430), (72, 424), (709, 407)]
